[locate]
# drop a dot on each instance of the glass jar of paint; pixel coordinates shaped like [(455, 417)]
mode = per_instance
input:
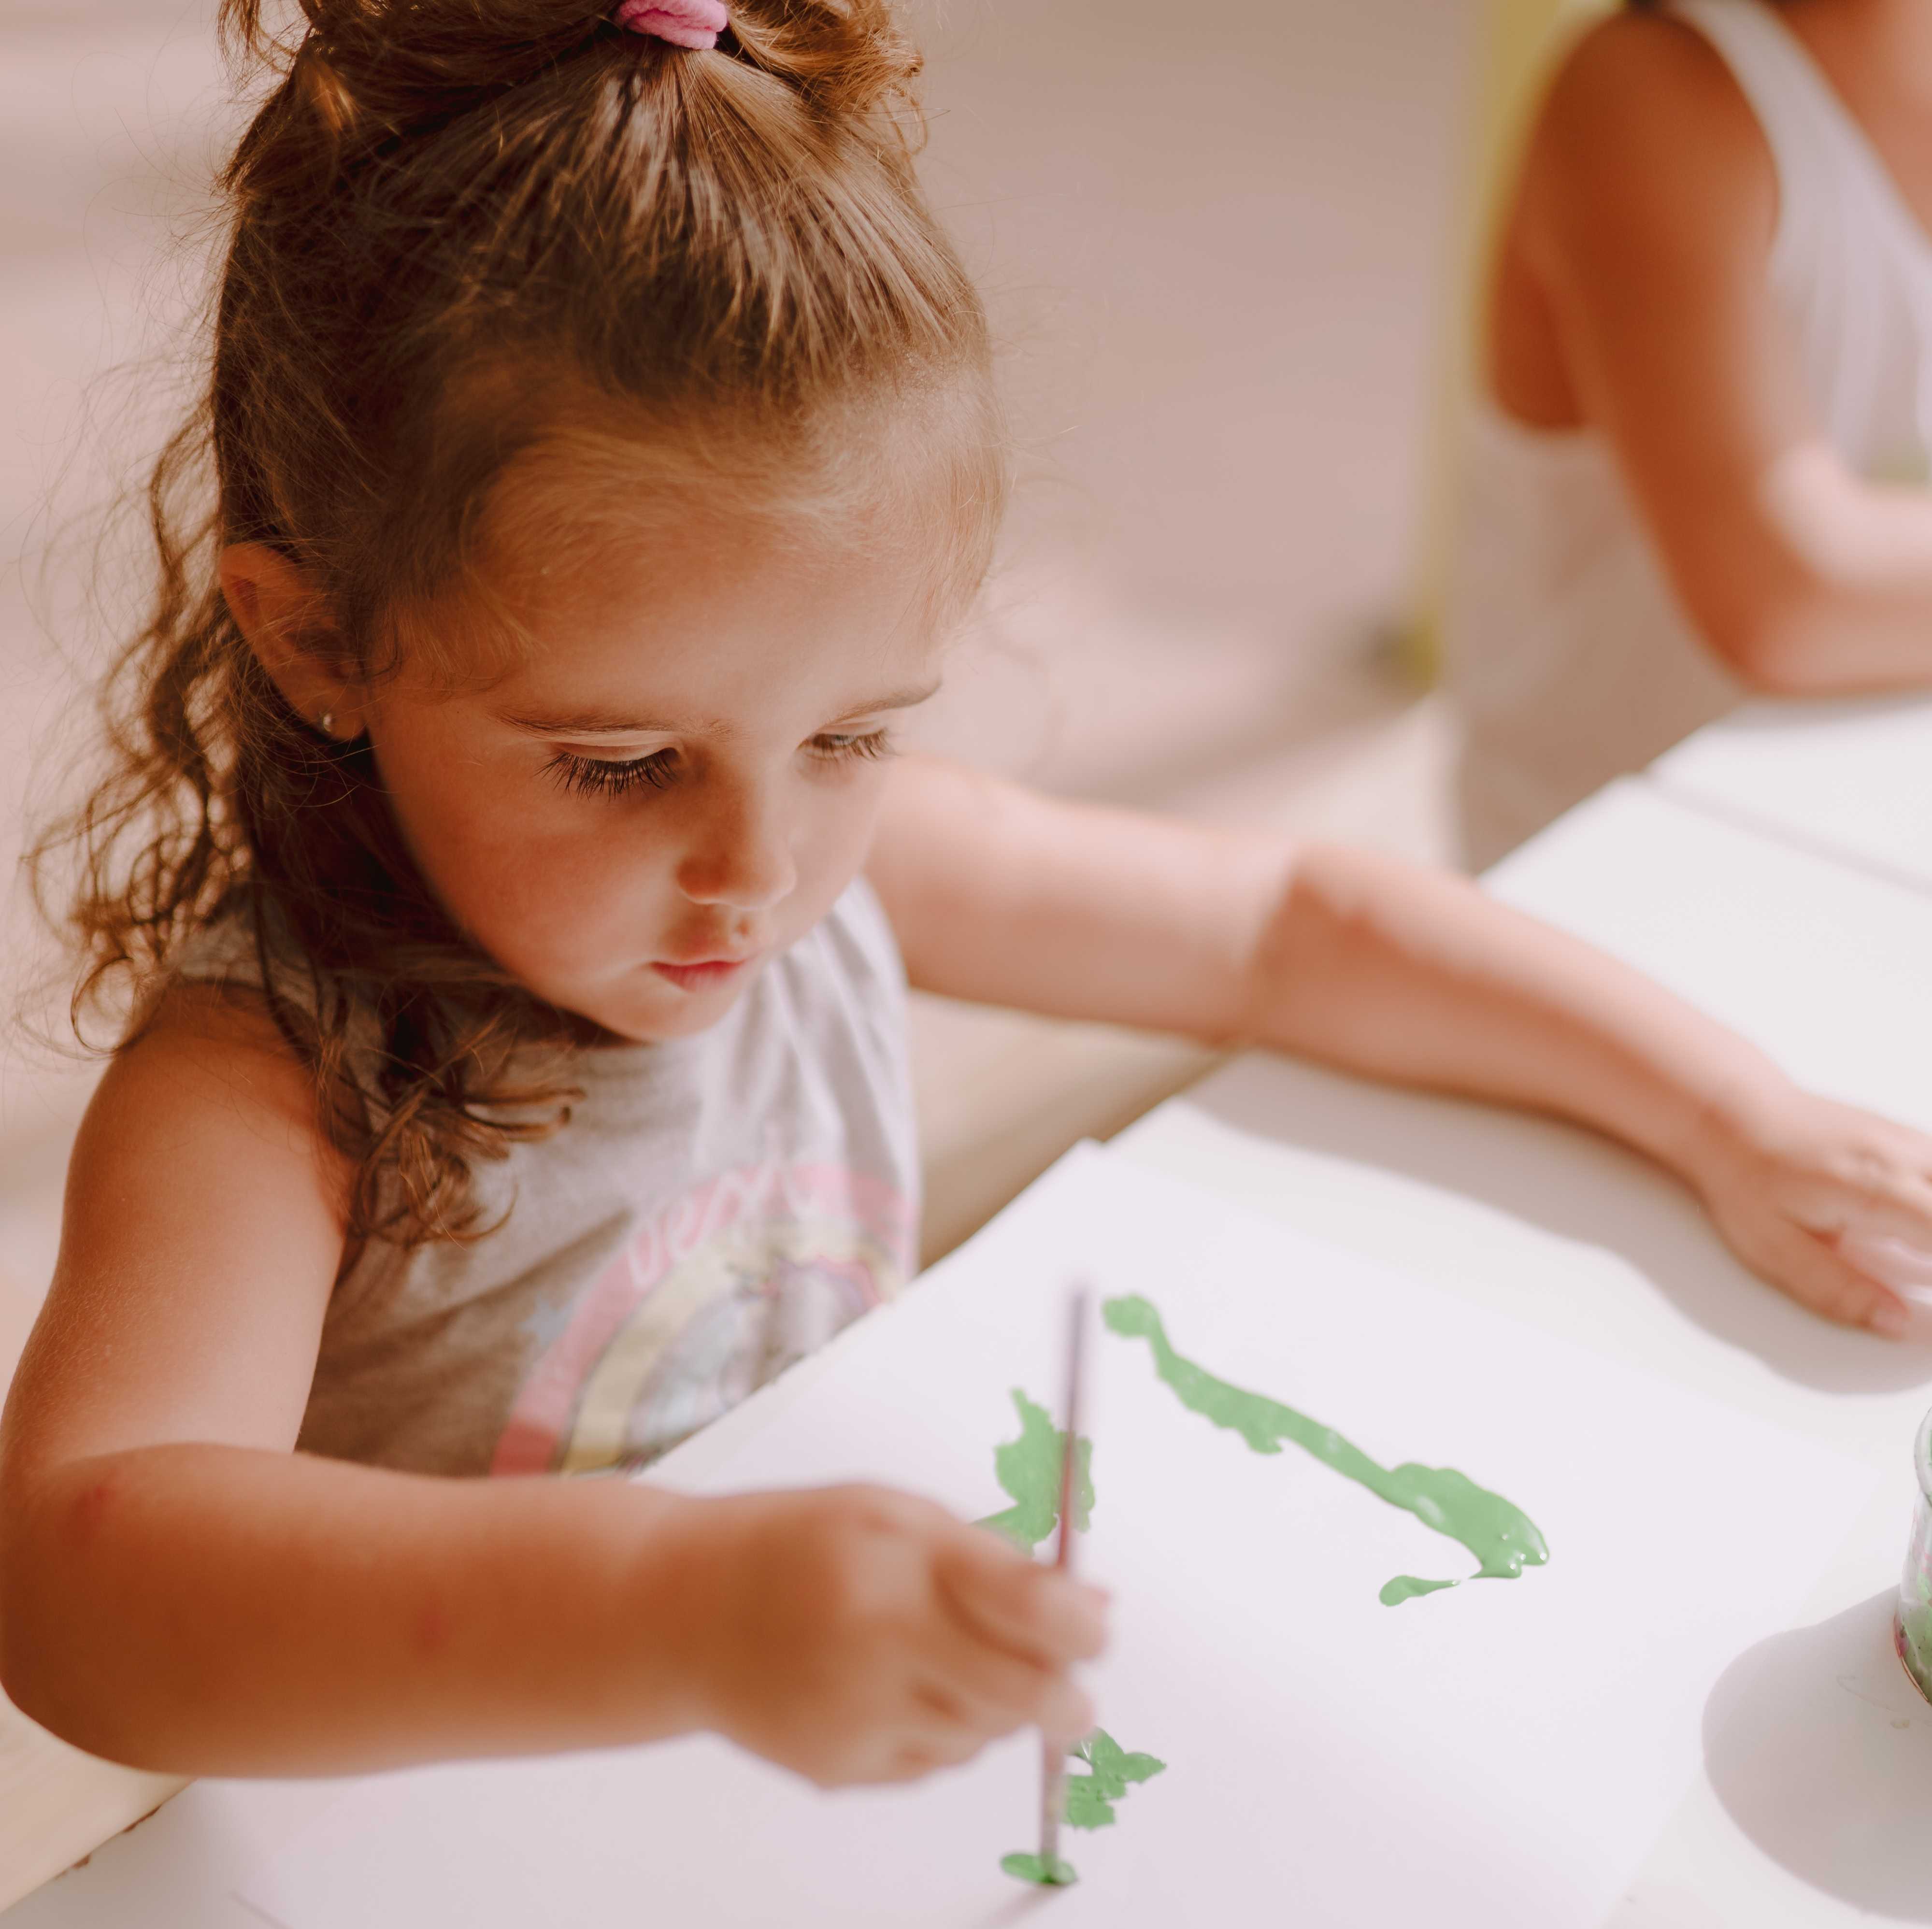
[(1912, 1624)]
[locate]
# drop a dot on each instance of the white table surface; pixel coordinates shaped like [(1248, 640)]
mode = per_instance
[(1812, 1810), (1851, 779), (1819, 1753)]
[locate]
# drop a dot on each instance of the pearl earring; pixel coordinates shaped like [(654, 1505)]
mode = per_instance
[(326, 723)]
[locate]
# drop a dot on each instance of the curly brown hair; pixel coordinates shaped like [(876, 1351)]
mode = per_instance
[(453, 223)]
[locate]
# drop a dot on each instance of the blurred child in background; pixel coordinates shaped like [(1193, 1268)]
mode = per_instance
[(1697, 461)]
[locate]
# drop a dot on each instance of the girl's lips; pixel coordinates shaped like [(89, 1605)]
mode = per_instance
[(703, 976)]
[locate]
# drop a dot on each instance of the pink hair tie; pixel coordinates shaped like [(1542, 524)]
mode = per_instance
[(684, 23)]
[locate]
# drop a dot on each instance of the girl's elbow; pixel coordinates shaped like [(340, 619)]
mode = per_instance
[(56, 1689), (1759, 664), (31, 1671), (1767, 641), (47, 1671)]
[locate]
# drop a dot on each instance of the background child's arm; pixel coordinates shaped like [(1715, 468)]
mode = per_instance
[(1400, 974), (179, 1590), (1634, 292)]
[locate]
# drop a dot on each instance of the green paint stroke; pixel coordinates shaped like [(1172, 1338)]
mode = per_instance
[(1058, 1874), (1111, 1771), (1028, 1471), (1090, 1798), (1503, 1538), (1406, 1587)]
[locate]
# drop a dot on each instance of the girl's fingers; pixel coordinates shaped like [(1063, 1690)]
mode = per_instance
[(1029, 1698), (1893, 1262), (1004, 1665), (1824, 1279), (942, 1730), (941, 1743), (1030, 1610), (1898, 1212), (1068, 1714), (987, 1677), (915, 1759)]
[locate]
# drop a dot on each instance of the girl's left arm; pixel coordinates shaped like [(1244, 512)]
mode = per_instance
[(1394, 972)]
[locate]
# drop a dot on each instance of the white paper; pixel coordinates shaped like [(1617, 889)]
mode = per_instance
[(1504, 1753)]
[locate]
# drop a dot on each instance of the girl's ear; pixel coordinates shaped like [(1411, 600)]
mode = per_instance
[(284, 618)]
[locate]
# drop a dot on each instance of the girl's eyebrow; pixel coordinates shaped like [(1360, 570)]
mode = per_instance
[(604, 723), (590, 723), (898, 699)]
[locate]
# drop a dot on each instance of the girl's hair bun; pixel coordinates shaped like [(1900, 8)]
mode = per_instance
[(370, 70), (850, 56), (355, 74), (397, 61)]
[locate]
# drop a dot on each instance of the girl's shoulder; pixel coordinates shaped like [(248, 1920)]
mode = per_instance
[(210, 1040), (224, 1025), (208, 1083), (205, 1220), (215, 1011), (1644, 131), (1638, 60)]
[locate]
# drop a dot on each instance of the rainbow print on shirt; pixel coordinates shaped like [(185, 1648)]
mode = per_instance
[(715, 1296)]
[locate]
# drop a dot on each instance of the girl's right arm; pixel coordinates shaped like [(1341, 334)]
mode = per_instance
[(1634, 292), (180, 1590)]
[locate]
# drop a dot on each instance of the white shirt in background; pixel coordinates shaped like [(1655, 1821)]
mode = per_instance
[(1569, 657)]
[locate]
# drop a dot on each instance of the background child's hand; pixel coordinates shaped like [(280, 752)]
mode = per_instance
[(855, 1634), (1828, 1202)]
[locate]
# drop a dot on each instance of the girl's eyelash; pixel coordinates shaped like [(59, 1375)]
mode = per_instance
[(604, 777), (600, 777), (834, 745)]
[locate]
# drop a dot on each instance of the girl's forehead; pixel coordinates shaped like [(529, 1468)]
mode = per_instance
[(922, 472), (590, 725), (678, 624), (698, 574)]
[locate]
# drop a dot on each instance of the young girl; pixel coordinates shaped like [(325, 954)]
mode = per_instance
[(508, 862), (1708, 386)]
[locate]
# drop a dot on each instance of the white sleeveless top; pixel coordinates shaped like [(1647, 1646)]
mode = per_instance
[(1568, 655), (717, 1207)]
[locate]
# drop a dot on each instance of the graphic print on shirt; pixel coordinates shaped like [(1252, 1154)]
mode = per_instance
[(719, 1293)]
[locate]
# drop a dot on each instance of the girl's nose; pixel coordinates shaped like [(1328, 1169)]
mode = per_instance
[(739, 855)]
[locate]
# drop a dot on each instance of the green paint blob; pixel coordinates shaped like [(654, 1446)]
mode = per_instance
[(1406, 1587), (1503, 1538), (1111, 1771), (1028, 1471), (1090, 1798), (1034, 1868)]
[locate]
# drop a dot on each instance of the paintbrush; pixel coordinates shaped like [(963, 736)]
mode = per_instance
[(1053, 1754)]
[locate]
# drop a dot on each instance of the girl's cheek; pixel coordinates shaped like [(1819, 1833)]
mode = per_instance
[(579, 882), (495, 851), (861, 820), (834, 825)]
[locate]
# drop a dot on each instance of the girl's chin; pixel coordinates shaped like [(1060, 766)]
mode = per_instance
[(657, 1010)]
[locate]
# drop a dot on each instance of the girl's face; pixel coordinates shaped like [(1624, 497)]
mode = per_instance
[(682, 775)]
